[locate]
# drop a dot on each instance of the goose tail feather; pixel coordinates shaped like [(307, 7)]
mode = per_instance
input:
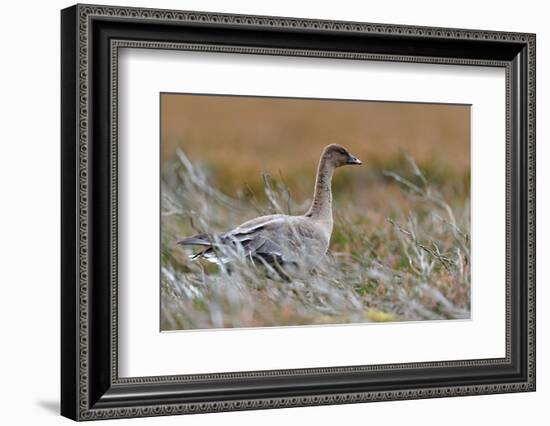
[(195, 240)]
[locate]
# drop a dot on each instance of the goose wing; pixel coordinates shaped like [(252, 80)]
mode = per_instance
[(273, 239), (248, 237)]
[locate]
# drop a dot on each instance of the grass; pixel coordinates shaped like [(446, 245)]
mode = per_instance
[(400, 250)]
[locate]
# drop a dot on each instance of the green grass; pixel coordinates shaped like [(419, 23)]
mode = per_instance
[(400, 251)]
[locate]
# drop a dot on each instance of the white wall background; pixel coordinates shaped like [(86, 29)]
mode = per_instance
[(29, 211)]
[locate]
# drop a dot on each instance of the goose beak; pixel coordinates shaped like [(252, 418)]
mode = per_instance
[(354, 160)]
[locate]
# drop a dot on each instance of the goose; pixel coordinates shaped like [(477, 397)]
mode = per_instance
[(280, 240)]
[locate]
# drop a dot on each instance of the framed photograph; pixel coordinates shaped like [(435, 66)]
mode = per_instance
[(263, 212)]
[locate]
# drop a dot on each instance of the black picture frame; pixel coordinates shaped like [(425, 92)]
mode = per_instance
[(90, 386)]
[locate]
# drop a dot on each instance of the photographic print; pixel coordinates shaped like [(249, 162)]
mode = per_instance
[(293, 211)]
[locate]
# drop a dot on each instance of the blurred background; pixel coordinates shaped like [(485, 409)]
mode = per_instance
[(238, 138), (400, 245)]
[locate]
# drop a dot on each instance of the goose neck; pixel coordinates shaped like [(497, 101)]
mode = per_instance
[(321, 206)]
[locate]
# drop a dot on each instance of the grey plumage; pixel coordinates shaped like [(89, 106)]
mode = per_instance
[(280, 239)]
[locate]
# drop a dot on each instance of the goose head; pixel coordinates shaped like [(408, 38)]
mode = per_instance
[(339, 156)]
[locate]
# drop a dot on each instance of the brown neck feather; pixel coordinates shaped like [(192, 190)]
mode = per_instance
[(321, 206)]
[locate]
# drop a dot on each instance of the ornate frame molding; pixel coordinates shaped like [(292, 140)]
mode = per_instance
[(87, 407)]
